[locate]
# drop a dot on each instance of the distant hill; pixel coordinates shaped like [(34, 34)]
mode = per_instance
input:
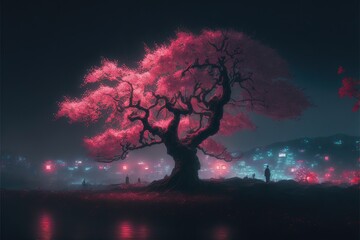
[(322, 155)]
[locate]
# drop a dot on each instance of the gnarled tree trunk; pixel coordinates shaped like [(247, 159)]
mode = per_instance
[(184, 176)]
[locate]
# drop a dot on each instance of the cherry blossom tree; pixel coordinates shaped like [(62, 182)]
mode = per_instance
[(181, 94), (350, 88)]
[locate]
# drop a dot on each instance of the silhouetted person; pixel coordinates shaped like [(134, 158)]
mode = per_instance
[(139, 180), (267, 174), (253, 175), (83, 182), (127, 181)]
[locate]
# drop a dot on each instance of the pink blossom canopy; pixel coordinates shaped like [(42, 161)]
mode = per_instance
[(184, 77), (350, 88)]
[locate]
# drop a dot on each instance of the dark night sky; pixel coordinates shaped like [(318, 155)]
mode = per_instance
[(47, 47)]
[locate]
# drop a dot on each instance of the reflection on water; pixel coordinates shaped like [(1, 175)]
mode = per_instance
[(125, 230), (66, 227), (221, 233), (128, 230), (45, 227), (143, 232)]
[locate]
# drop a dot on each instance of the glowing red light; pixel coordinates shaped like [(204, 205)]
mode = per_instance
[(45, 227), (304, 175), (101, 167), (218, 167), (221, 232), (355, 180), (311, 177), (223, 167), (48, 167), (124, 167), (292, 169), (326, 158), (352, 177), (126, 230), (146, 168)]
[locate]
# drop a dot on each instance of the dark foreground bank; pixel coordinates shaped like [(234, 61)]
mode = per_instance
[(233, 209)]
